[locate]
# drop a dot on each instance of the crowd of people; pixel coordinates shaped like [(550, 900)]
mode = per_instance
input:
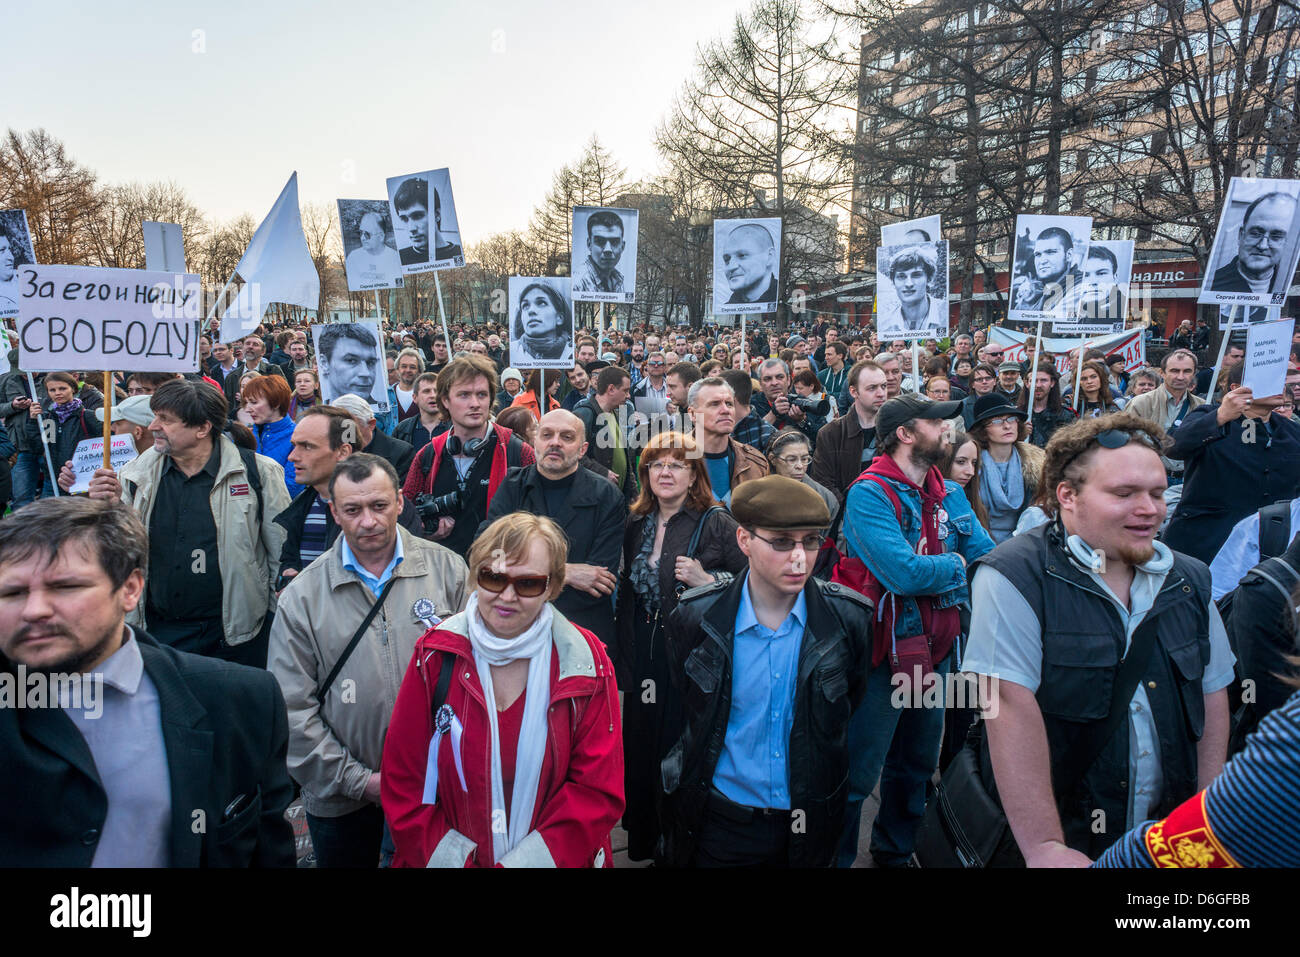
[(717, 591)]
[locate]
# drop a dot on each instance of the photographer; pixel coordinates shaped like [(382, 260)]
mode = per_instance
[(774, 406), (454, 477)]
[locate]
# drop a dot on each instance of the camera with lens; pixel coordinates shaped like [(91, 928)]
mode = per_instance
[(433, 507), (810, 405)]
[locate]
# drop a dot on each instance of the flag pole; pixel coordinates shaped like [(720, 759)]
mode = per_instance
[(108, 415), (1033, 374), (40, 421), (1223, 350), (442, 315), (1078, 371)]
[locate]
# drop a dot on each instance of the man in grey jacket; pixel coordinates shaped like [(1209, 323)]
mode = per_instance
[(337, 728)]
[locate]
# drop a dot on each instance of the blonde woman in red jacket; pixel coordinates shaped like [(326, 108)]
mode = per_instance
[(519, 760)]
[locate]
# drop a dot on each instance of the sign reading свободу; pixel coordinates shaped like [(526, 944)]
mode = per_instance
[(80, 317)]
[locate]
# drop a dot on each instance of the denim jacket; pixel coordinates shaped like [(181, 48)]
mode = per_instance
[(387, 421), (872, 534)]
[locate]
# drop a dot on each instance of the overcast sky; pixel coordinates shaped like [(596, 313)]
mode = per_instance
[(503, 92)]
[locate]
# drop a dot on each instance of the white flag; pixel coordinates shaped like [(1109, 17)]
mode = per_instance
[(276, 267)]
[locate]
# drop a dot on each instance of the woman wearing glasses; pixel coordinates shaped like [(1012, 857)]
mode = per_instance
[(673, 542), (790, 455), (1011, 469), (505, 747)]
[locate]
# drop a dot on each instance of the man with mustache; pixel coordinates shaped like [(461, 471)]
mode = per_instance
[(1057, 613)]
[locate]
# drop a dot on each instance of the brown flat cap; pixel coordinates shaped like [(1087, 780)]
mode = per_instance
[(776, 501)]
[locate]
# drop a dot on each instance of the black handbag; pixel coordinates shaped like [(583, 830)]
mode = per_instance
[(965, 825)]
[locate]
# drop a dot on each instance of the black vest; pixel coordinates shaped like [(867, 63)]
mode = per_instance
[(1083, 643)]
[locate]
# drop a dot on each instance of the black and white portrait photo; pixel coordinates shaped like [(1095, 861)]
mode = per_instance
[(541, 322), (1046, 265), (603, 266), (912, 291), (1257, 244), (923, 230), (370, 259), (424, 218), (746, 265), (350, 359), (1099, 297), (15, 251)]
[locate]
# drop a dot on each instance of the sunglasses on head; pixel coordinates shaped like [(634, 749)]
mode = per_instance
[(1116, 439), (526, 586)]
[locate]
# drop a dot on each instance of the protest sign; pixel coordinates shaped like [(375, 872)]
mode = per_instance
[(923, 230), (1257, 244), (603, 258), (1130, 344), (164, 247), (80, 317), (370, 257), (350, 359), (541, 328), (912, 291), (1097, 302), (89, 455), (421, 204), (1268, 347), (15, 252), (746, 265), (1047, 265)]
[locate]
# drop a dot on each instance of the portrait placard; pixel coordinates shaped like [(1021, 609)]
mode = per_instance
[(746, 265), (424, 217), (1046, 265), (350, 359), (603, 256), (1256, 245), (541, 322), (15, 252), (370, 257), (912, 291), (923, 230)]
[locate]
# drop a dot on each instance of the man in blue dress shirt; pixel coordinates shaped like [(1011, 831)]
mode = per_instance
[(770, 667)]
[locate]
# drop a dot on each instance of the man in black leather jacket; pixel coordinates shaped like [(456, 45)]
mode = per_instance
[(759, 776)]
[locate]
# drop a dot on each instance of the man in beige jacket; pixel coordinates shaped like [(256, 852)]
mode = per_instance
[(1168, 404), (336, 733)]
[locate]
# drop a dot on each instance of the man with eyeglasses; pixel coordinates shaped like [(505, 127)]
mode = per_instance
[(1260, 241), (983, 380), (916, 534), (1062, 614), (770, 666), (587, 507), (339, 679), (650, 395)]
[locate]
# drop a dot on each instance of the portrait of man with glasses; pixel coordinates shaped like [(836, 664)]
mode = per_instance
[(1259, 256)]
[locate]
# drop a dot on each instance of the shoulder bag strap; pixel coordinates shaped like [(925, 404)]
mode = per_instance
[(1130, 673), (699, 528), (444, 683), (356, 638)]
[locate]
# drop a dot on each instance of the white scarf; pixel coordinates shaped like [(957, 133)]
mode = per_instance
[(535, 645)]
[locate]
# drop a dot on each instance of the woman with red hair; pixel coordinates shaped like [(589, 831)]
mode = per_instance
[(266, 400)]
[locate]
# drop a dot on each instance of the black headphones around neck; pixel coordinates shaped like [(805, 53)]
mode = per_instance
[(472, 447)]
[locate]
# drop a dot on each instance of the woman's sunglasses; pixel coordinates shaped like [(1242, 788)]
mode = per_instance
[(526, 586)]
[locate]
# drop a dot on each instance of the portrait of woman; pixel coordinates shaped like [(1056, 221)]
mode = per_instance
[(541, 333)]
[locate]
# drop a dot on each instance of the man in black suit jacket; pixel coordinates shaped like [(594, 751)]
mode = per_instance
[(135, 755)]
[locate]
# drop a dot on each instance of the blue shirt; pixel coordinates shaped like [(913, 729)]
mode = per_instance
[(752, 768), (376, 585), (719, 468)]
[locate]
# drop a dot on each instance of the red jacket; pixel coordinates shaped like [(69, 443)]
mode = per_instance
[(580, 792), (418, 482)]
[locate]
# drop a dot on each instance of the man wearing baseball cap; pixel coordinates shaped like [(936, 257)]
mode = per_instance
[(915, 533), (131, 417), (771, 665)]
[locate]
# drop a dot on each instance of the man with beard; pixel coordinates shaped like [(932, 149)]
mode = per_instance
[(136, 741), (588, 508), (916, 534), (1059, 614), (1055, 273)]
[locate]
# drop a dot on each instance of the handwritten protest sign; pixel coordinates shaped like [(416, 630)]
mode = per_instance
[(1268, 347), (78, 317), (1129, 344), (89, 455)]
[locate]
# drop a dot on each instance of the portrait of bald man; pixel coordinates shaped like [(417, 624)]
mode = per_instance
[(1266, 233), (372, 260), (747, 255)]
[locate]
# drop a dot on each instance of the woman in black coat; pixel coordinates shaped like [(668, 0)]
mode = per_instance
[(675, 501), (71, 407)]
